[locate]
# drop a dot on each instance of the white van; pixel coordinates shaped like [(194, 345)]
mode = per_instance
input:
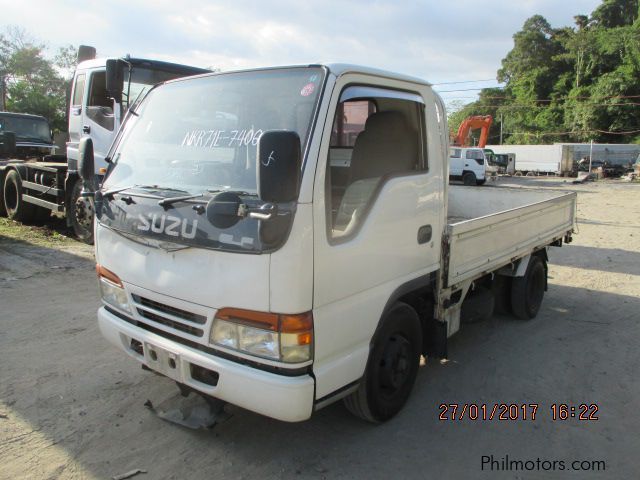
[(470, 165)]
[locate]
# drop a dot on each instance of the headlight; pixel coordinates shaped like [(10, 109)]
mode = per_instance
[(284, 338), (112, 289)]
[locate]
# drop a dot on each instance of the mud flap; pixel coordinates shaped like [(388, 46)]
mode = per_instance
[(435, 338)]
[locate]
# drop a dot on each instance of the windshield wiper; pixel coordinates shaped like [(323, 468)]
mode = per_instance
[(111, 192), (166, 202), (237, 192)]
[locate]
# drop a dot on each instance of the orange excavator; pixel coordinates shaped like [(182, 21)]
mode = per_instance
[(482, 122)]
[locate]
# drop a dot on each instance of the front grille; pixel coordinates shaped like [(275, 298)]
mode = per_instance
[(170, 323), (176, 312), (172, 317)]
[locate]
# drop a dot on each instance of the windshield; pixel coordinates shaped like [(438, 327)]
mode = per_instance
[(202, 134), (26, 128)]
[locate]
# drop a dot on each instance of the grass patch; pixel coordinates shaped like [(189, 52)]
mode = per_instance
[(54, 232)]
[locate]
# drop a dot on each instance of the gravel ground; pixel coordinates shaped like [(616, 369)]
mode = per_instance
[(71, 406)]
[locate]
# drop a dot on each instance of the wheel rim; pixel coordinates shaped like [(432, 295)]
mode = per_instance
[(84, 213), (395, 364)]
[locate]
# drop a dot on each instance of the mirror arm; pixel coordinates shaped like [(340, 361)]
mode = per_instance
[(264, 212)]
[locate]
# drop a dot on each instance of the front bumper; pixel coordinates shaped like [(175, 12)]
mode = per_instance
[(285, 398)]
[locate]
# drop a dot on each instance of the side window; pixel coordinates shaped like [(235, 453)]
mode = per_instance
[(78, 91), (455, 153), (349, 122), (100, 106), (373, 139), (475, 154)]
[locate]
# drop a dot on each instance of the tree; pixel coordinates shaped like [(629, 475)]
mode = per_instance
[(572, 83), (29, 81)]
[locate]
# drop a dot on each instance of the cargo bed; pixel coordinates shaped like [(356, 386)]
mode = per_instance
[(491, 227)]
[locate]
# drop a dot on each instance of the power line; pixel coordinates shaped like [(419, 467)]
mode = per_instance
[(583, 97), (544, 106), (468, 89), (466, 81)]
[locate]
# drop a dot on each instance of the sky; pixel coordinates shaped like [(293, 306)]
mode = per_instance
[(440, 41)]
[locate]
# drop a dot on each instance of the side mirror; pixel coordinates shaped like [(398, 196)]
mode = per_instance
[(86, 167), (7, 143), (85, 52), (279, 163), (115, 79)]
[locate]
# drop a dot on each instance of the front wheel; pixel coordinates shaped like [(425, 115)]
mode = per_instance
[(469, 179), (81, 214), (392, 367)]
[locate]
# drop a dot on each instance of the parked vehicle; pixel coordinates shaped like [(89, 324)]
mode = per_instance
[(254, 249), (33, 185), (31, 134), (471, 165), (563, 158), (505, 162)]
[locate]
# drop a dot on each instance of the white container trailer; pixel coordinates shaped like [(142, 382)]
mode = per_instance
[(554, 159), (562, 158)]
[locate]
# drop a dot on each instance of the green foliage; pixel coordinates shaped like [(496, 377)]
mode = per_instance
[(32, 83), (571, 84)]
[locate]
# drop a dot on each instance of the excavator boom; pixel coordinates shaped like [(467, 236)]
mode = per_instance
[(482, 122)]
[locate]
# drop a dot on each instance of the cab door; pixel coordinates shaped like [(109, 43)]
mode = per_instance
[(98, 117), (76, 114), (378, 202)]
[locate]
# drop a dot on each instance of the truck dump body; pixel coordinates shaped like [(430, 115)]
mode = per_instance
[(488, 228)]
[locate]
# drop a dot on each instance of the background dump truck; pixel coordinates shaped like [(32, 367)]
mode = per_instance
[(33, 185), (281, 252)]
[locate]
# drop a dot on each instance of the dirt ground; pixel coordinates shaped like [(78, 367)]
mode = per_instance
[(71, 406)]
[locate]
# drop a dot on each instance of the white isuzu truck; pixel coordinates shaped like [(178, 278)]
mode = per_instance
[(283, 238)]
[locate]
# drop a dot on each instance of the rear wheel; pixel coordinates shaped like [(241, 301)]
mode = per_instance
[(81, 214), (527, 292), (17, 209), (392, 367), (469, 178)]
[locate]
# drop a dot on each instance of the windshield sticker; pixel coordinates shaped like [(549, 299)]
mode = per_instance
[(307, 89), (221, 138)]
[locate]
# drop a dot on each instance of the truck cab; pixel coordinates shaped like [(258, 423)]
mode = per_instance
[(33, 180), (32, 134), (471, 165)]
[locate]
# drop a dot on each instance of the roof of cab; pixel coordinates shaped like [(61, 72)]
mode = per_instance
[(336, 69), (23, 115), (143, 62)]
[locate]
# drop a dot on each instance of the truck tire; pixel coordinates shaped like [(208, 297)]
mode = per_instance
[(469, 178), (527, 291), (81, 214), (17, 209), (392, 367), (481, 182)]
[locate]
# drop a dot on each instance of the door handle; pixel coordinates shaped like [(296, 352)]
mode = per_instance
[(86, 129), (424, 234)]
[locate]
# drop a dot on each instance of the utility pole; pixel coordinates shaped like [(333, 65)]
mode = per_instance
[(500, 129), (590, 156)]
